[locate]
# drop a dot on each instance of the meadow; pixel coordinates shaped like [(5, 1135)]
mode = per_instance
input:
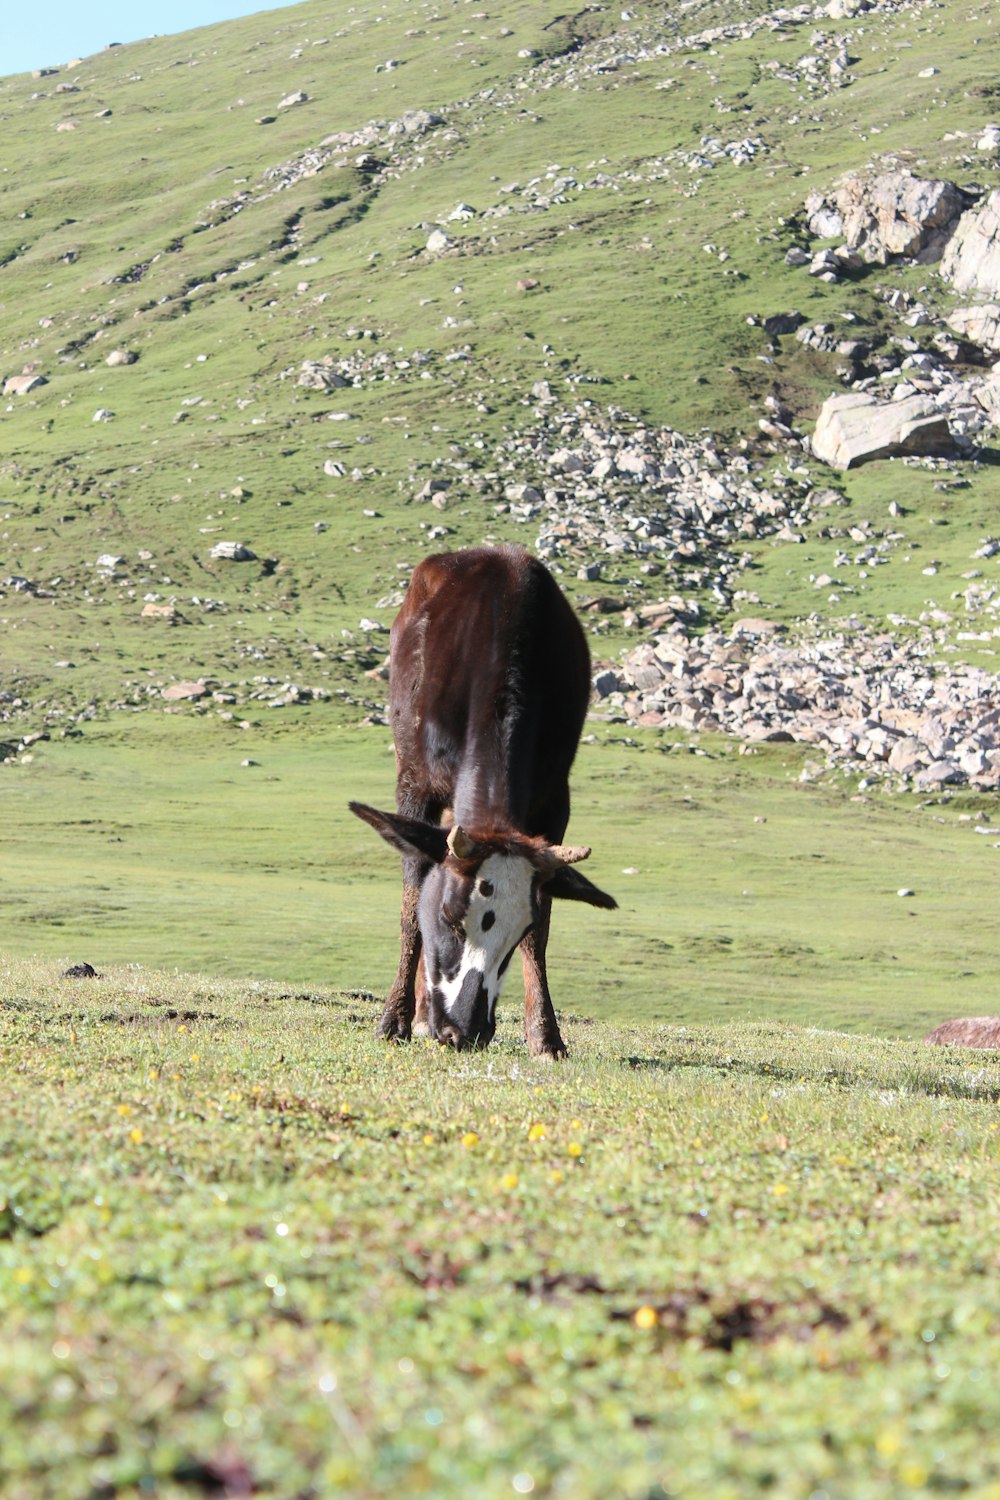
[(742, 1242), (247, 1249)]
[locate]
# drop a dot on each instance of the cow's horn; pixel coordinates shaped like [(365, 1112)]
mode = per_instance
[(569, 854), (459, 843)]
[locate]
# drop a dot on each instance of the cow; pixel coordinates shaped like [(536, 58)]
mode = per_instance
[(489, 682)]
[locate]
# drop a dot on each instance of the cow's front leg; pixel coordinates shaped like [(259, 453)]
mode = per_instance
[(541, 1029), (422, 1013), (397, 1017)]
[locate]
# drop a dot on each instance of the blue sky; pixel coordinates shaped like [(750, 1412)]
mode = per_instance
[(42, 33)]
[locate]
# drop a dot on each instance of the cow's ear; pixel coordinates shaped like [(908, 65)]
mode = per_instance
[(408, 835), (567, 884)]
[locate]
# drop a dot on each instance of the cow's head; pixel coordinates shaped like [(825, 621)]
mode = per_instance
[(480, 895)]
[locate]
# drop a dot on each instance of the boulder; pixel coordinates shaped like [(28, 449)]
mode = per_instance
[(20, 385), (966, 1031), (854, 428), (181, 692), (232, 552), (972, 260), (889, 214), (119, 357), (980, 325)]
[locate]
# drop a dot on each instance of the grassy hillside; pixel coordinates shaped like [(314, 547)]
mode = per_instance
[(245, 1249), (175, 224), (745, 891), (616, 249)]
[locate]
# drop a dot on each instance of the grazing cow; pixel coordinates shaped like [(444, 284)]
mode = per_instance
[(489, 682)]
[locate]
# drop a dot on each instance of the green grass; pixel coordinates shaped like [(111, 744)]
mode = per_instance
[(244, 1244), (753, 894), (629, 301)]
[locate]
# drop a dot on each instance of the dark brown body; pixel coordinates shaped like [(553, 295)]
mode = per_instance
[(489, 687)]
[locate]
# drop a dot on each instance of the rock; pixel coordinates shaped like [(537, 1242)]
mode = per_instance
[(796, 256), (980, 324), (184, 692), (855, 428), (81, 971), (967, 1031), (432, 487), (606, 682), (119, 357), (153, 611), (102, 414), (907, 756), (20, 385), (938, 773), (437, 242), (890, 214), (416, 121), (779, 323), (972, 260), (989, 140), (232, 552), (290, 100), (315, 375), (108, 561)]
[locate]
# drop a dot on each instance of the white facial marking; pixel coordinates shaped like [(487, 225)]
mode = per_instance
[(502, 892)]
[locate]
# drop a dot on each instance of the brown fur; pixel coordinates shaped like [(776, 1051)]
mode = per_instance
[(489, 683), (967, 1031)]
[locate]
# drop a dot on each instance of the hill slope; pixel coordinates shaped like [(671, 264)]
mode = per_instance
[(527, 257)]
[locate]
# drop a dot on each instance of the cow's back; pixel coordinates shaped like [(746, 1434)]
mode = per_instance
[(489, 686)]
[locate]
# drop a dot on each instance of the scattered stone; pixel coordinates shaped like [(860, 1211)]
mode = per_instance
[(437, 242), (119, 357), (184, 692), (102, 414), (290, 100), (232, 552)]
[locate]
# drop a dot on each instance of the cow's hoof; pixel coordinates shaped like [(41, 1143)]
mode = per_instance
[(547, 1049), (422, 1028), (394, 1027)]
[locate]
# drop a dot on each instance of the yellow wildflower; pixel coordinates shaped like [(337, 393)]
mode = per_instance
[(470, 1139), (645, 1317), (537, 1132)]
